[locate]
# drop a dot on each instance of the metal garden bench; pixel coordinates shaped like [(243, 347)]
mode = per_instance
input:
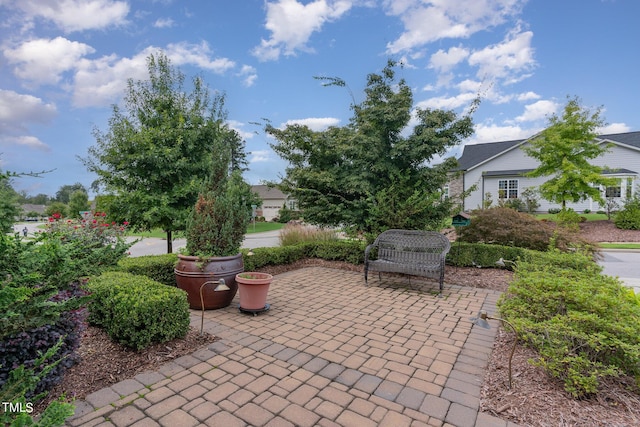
[(413, 252)]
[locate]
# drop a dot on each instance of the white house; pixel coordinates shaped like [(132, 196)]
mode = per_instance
[(499, 168), (272, 201)]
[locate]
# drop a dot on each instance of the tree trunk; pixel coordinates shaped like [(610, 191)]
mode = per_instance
[(169, 242)]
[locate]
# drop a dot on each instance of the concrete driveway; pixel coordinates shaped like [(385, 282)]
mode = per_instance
[(156, 246), (625, 264)]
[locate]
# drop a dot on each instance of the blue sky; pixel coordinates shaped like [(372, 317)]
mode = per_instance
[(64, 63)]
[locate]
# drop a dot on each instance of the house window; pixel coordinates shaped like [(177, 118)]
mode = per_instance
[(445, 192), (629, 192), (508, 189), (293, 205), (614, 191)]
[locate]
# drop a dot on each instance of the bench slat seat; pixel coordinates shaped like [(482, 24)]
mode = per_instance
[(414, 252)]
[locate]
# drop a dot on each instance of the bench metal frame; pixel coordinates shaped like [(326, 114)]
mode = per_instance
[(413, 252)]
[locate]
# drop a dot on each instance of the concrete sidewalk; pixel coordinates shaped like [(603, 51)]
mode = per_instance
[(330, 352)]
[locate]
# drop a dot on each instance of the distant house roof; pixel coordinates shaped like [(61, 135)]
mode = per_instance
[(268, 193), (33, 208), (475, 154)]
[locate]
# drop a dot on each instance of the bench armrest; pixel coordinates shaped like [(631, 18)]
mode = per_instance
[(367, 251)]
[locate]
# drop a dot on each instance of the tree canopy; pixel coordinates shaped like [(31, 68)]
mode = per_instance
[(9, 208), (564, 150), (64, 193), (375, 172), (158, 150)]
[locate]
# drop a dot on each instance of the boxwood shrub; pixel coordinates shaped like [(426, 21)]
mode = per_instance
[(137, 311), (583, 324), (156, 267)]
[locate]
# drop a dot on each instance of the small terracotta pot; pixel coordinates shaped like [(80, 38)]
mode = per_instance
[(253, 288)]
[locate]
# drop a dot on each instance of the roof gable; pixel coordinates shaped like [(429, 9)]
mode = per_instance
[(476, 154), (268, 193)]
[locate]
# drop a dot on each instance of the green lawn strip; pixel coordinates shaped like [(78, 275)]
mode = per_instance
[(264, 226), (589, 216), (619, 245)]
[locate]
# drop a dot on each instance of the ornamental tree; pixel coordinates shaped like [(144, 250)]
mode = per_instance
[(373, 174), (158, 149), (9, 208), (564, 150)]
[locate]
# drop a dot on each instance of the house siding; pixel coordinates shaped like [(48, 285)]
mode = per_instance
[(619, 156)]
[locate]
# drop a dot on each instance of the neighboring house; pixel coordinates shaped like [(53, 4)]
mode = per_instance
[(500, 168), (32, 209), (272, 201)]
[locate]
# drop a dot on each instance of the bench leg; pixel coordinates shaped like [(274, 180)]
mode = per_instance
[(366, 271)]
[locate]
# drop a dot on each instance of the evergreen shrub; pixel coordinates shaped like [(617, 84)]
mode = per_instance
[(137, 311), (157, 267), (628, 218), (583, 325)]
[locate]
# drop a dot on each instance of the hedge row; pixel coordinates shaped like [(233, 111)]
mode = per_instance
[(137, 311), (161, 267)]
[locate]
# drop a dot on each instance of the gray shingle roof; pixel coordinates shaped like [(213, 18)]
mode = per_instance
[(478, 153), (475, 154), (628, 138)]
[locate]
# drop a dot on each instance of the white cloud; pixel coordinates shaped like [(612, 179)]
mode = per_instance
[(448, 103), (100, 82), (538, 111), (238, 127), (316, 124), (43, 61), (445, 61), (613, 128), (511, 60), (199, 55), (425, 22), (29, 142), (16, 108), (249, 74), (260, 156), (528, 96), (164, 23), (16, 112), (292, 23), (76, 15), (494, 133)]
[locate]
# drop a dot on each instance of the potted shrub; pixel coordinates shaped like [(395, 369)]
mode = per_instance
[(253, 289), (214, 232)]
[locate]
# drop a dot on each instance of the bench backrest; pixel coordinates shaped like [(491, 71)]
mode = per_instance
[(411, 246)]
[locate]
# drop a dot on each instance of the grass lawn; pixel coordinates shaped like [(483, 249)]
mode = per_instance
[(589, 216), (264, 226), (620, 245)]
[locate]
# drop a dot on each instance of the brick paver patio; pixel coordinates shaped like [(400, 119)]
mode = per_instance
[(330, 352)]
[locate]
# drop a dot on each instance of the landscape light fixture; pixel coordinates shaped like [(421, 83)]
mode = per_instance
[(503, 262), (221, 286), (481, 320)]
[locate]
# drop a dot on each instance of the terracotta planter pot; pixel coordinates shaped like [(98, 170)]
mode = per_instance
[(253, 289), (192, 273)]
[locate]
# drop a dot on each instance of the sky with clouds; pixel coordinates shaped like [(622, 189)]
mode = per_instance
[(65, 63)]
